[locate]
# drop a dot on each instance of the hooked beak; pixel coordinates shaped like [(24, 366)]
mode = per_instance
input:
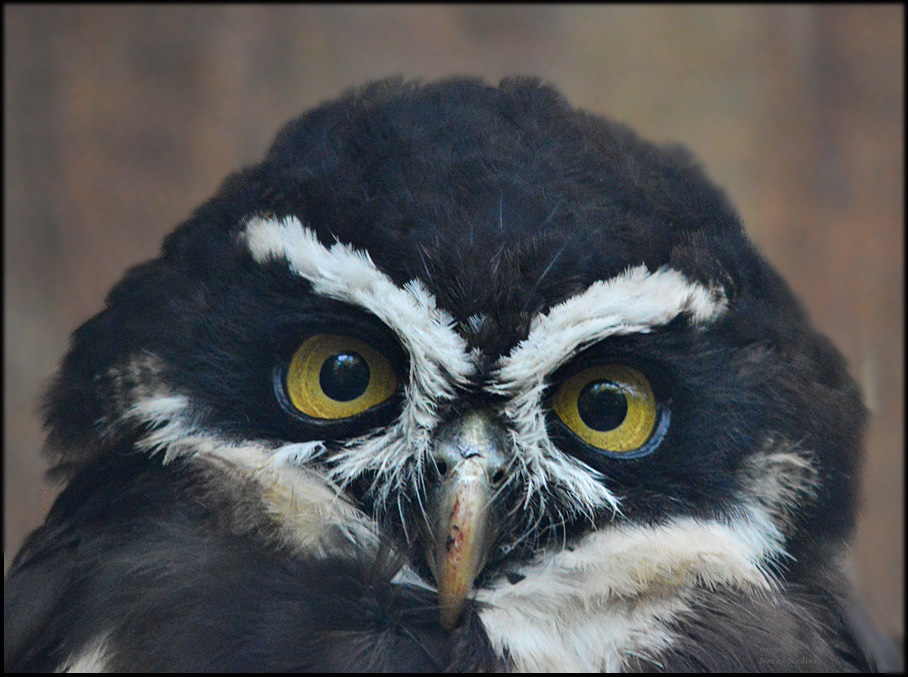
[(462, 525)]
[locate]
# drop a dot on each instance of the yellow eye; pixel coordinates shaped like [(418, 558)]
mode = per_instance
[(334, 377), (610, 407)]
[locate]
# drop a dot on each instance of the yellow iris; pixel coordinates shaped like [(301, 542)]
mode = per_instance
[(610, 407), (335, 377)]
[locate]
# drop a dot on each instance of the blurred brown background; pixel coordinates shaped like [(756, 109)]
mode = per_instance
[(120, 120)]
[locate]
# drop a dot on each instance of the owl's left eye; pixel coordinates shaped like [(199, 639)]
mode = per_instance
[(610, 407), (333, 377)]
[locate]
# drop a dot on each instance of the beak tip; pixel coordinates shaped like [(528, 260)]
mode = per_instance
[(452, 597)]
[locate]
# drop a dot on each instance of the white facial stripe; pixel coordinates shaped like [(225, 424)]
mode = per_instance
[(779, 480), (635, 301), (311, 513), (305, 505), (615, 594), (439, 357)]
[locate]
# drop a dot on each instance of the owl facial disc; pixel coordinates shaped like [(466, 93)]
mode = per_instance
[(462, 526)]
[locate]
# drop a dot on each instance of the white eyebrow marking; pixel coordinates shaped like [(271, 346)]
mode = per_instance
[(635, 301), (346, 274)]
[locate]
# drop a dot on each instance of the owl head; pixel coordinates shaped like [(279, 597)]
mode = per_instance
[(512, 342)]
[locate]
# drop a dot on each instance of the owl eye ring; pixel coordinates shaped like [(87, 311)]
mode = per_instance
[(611, 408), (332, 377)]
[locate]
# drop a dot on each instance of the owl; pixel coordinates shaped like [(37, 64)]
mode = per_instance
[(459, 377)]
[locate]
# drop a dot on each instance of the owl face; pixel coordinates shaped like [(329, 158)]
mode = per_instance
[(524, 349)]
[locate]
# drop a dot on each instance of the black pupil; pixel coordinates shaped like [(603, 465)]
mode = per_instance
[(344, 376), (602, 405)]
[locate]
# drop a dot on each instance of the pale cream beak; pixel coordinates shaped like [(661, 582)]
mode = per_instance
[(462, 524)]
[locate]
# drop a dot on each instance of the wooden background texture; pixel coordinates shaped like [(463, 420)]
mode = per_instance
[(119, 120)]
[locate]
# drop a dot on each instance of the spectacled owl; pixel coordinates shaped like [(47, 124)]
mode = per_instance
[(459, 377)]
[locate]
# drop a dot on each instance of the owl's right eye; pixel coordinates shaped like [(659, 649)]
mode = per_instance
[(333, 377)]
